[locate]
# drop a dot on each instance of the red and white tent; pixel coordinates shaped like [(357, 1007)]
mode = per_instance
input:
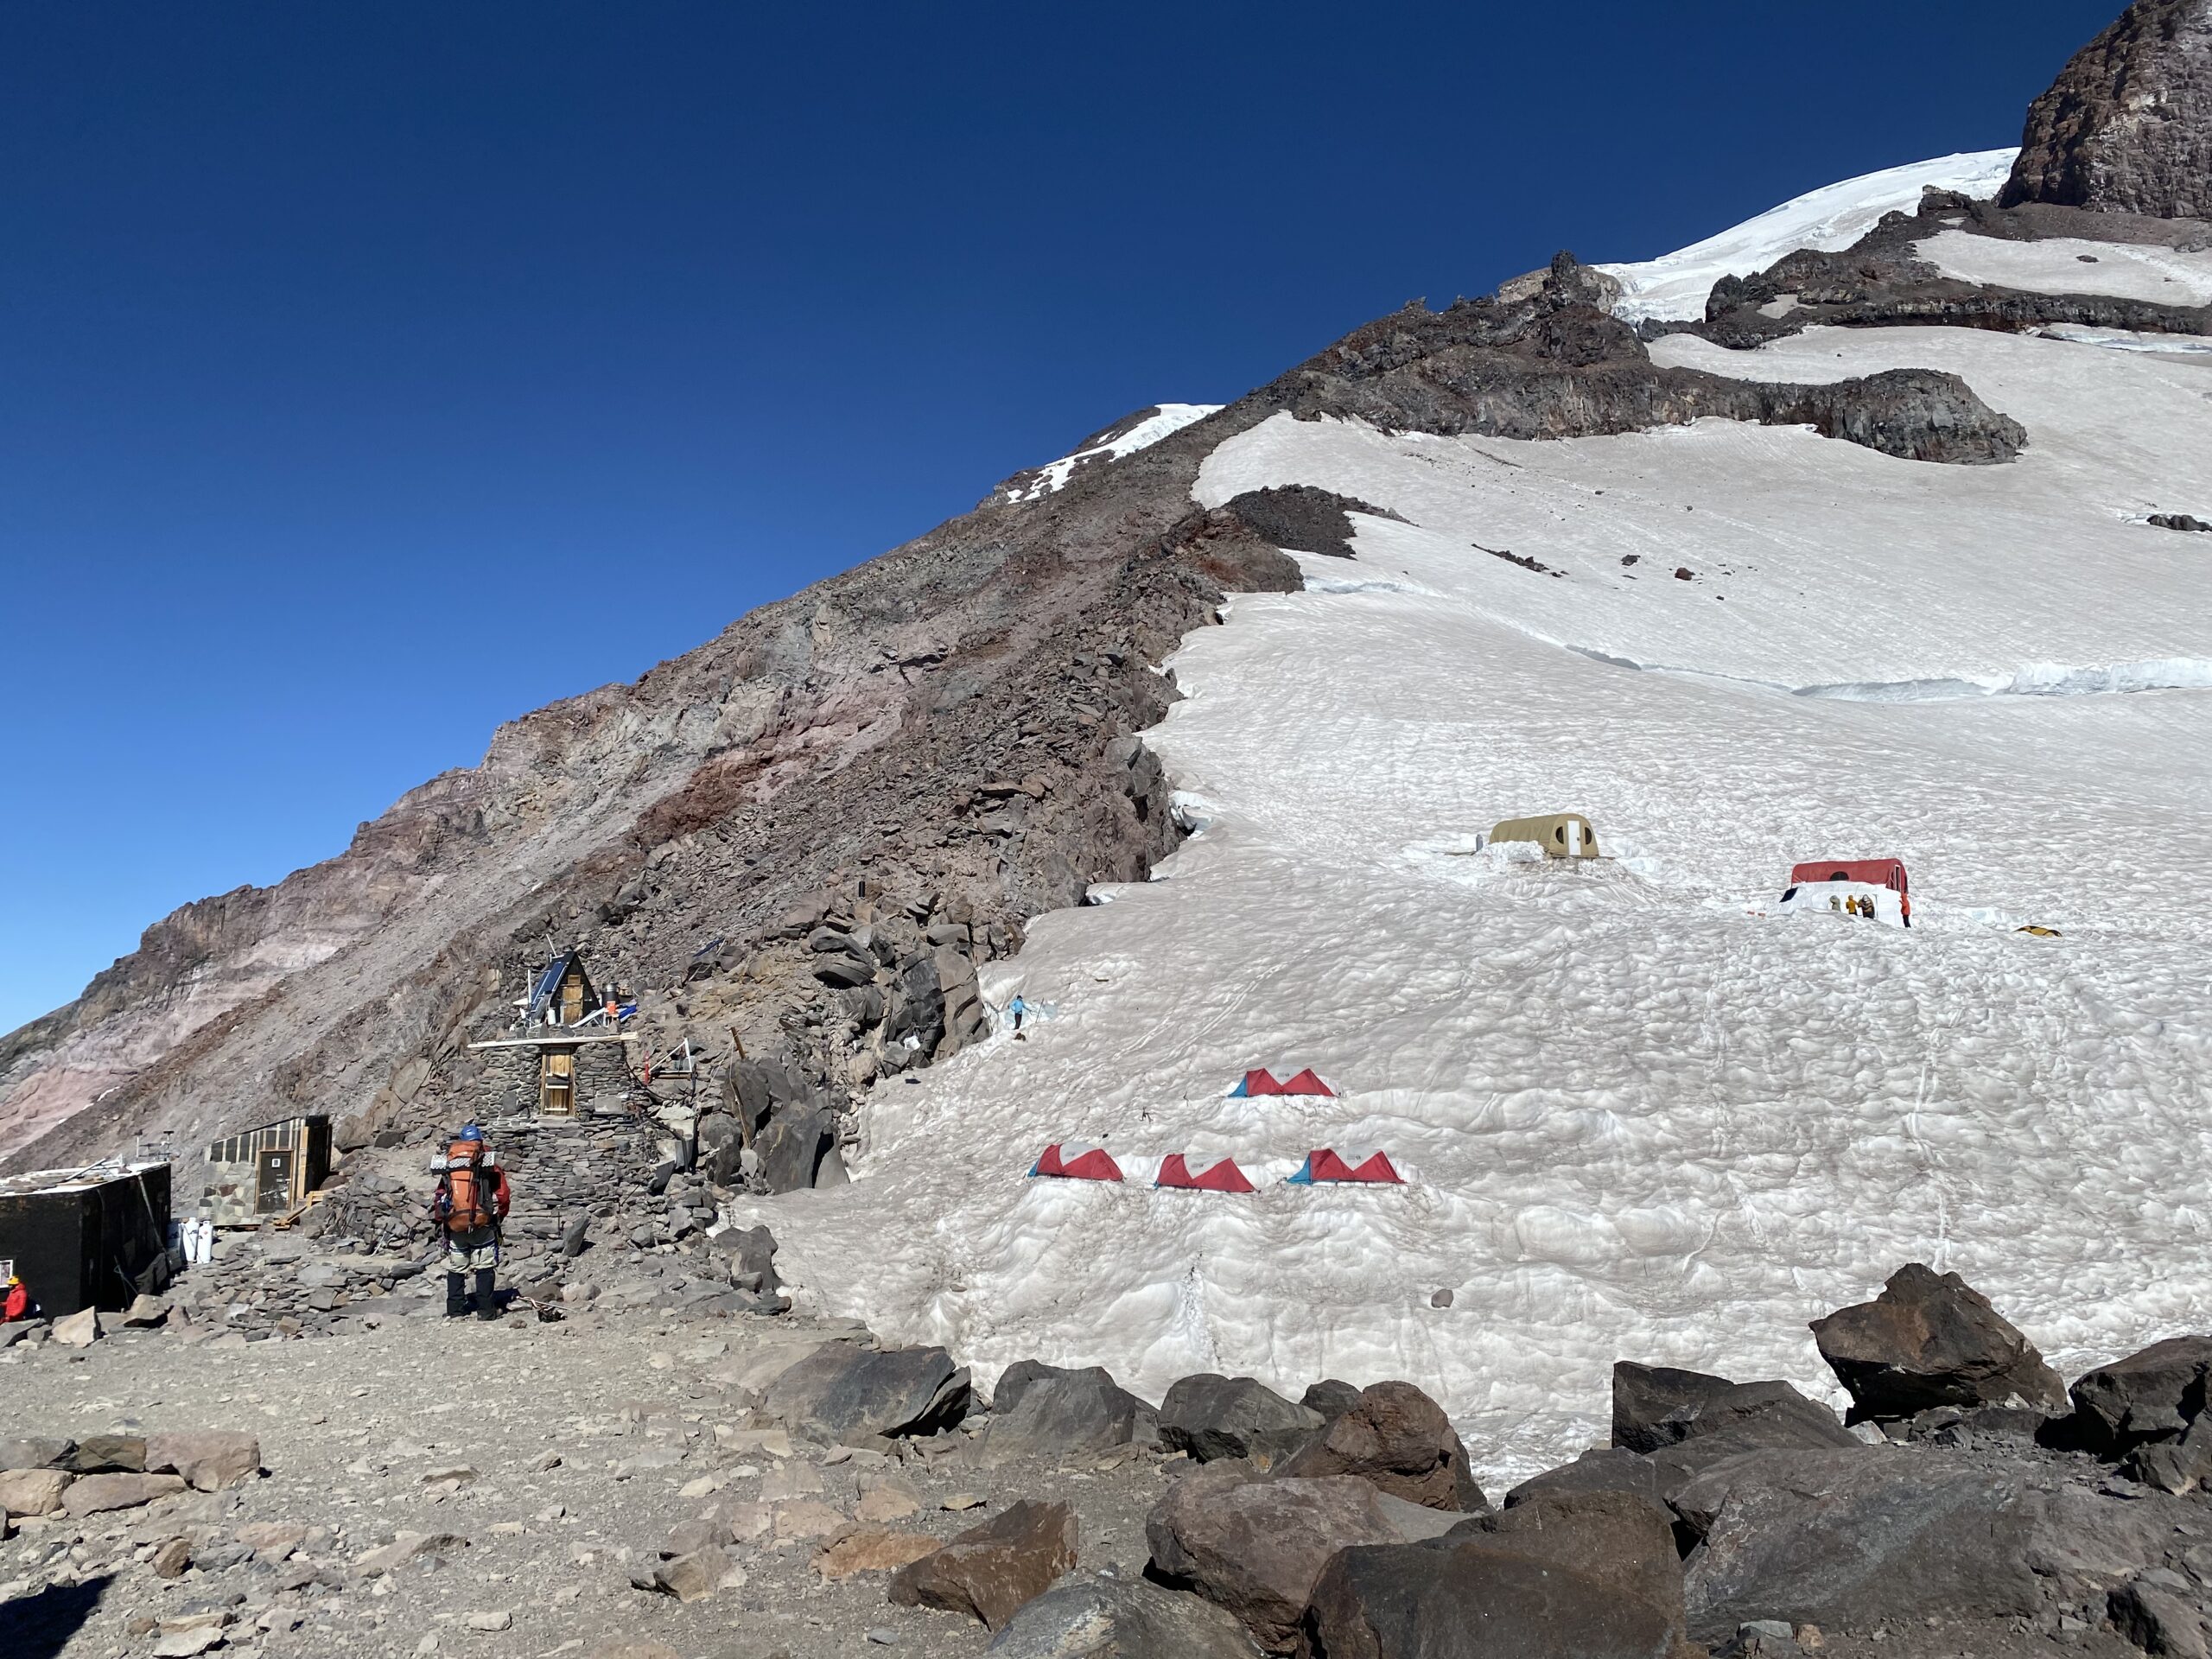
[(1322, 1165), (1076, 1163), (1221, 1177), (1264, 1082)]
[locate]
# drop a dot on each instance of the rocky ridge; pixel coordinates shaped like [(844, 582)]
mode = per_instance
[(940, 741), (2127, 125)]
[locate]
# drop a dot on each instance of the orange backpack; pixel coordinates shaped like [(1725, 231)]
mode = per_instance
[(465, 1197)]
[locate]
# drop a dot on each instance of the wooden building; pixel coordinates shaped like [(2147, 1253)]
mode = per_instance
[(260, 1174), (83, 1239)]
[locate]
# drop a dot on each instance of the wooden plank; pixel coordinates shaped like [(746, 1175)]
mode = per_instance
[(560, 1042)]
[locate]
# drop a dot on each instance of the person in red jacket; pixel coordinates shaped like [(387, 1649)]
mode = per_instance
[(14, 1300)]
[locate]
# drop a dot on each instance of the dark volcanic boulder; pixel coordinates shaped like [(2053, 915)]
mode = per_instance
[(1658, 1406), (992, 1571), (1603, 1469), (1584, 1576), (1399, 1438), (1881, 1536), (102, 1454), (1211, 1416), (2149, 1408), (1931, 1340), (1113, 1618), (720, 1141), (1055, 1417), (844, 1391), (1330, 1397), (1018, 1376), (2152, 1394), (2127, 125), (793, 1147), (1255, 1546), (751, 1252)]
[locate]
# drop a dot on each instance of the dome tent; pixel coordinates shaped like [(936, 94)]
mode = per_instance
[(1264, 1082), (1077, 1163), (1223, 1176), (1323, 1165)]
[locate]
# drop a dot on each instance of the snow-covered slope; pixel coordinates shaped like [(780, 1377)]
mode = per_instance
[(2066, 265), (1147, 428), (1640, 1119), (1829, 218)]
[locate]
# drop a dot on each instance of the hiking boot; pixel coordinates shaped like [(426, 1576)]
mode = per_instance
[(488, 1293), (457, 1295)]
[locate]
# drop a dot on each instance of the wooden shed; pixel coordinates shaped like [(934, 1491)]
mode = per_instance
[(1561, 835), (260, 1174), (83, 1239), (561, 994)]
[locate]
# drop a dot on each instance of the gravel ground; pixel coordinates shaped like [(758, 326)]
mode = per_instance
[(356, 1431)]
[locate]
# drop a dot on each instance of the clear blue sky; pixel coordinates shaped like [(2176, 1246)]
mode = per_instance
[(370, 374)]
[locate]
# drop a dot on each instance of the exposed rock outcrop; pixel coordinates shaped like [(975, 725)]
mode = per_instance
[(2127, 125)]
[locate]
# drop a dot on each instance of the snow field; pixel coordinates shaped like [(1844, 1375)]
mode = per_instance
[(2066, 265), (1830, 219), (1640, 1122)]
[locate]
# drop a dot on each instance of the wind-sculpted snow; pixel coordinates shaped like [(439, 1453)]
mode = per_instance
[(1647, 1120)]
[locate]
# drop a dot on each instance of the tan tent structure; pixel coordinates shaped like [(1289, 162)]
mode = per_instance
[(1561, 835)]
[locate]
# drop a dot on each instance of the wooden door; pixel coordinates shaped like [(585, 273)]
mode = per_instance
[(274, 1196), (557, 1085), (572, 998)]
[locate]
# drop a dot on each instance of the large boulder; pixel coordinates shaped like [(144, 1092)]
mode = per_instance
[(35, 1452), (721, 1144), (32, 1491), (2127, 125), (1329, 1396), (1113, 1618), (992, 1571), (1602, 1469), (1588, 1575), (108, 1454), (1931, 1340), (794, 1147), (842, 1392), (1016, 1378), (1398, 1439), (210, 1460), (1058, 1417), (2151, 1395), (1885, 1536), (97, 1494), (751, 1253), (1255, 1546), (1658, 1406), (1211, 1416)]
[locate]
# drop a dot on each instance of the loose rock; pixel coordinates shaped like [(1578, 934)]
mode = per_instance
[(989, 1571)]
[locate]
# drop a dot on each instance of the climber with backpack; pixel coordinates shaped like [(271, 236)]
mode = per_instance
[(471, 1200)]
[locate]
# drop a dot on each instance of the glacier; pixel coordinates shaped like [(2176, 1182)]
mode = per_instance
[(1641, 1116)]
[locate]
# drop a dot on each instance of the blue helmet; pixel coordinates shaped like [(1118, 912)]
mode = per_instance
[(470, 1132)]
